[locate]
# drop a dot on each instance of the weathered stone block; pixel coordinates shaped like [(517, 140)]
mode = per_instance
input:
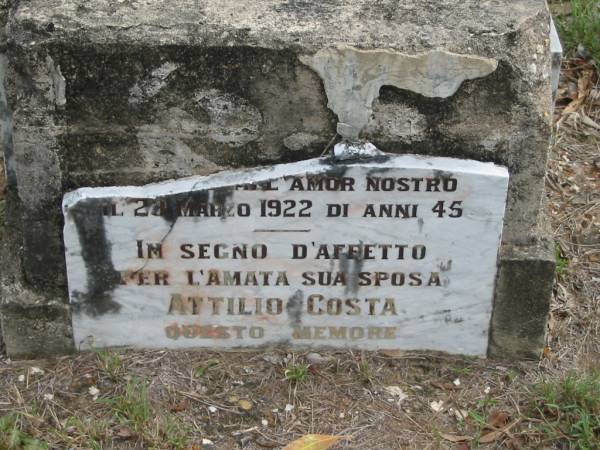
[(123, 93), (32, 331), (523, 291)]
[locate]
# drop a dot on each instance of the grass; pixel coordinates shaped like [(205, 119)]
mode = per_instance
[(365, 372), (133, 406), (561, 262), (569, 410), (110, 362), (133, 410), (296, 373), (129, 419), (93, 430), (581, 27), (458, 371), (11, 436), (200, 371), (480, 423)]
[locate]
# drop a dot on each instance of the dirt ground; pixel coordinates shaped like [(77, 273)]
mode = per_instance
[(407, 400)]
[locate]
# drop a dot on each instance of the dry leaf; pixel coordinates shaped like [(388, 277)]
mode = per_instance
[(490, 437), (494, 435), (94, 392), (437, 406), (584, 84), (589, 122), (456, 438), (180, 406), (498, 419), (124, 432), (396, 391), (246, 405), (313, 442), (573, 106), (547, 352)]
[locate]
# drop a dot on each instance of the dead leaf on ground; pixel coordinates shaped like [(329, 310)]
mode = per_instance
[(396, 391), (246, 405), (313, 442), (547, 352), (124, 432), (495, 435), (490, 437), (498, 419), (179, 406), (584, 83), (573, 106), (437, 406), (456, 437)]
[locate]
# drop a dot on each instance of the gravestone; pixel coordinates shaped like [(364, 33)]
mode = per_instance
[(374, 252), (192, 148)]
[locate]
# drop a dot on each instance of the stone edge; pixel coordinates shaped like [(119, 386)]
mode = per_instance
[(523, 292)]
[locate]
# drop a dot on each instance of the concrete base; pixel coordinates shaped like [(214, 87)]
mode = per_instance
[(31, 325), (35, 331), (522, 301)]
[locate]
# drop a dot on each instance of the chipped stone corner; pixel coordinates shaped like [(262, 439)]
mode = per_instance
[(353, 77)]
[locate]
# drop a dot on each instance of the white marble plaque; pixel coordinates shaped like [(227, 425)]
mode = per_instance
[(374, 253)]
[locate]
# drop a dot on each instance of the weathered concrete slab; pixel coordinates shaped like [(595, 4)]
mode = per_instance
[(385, 252)]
